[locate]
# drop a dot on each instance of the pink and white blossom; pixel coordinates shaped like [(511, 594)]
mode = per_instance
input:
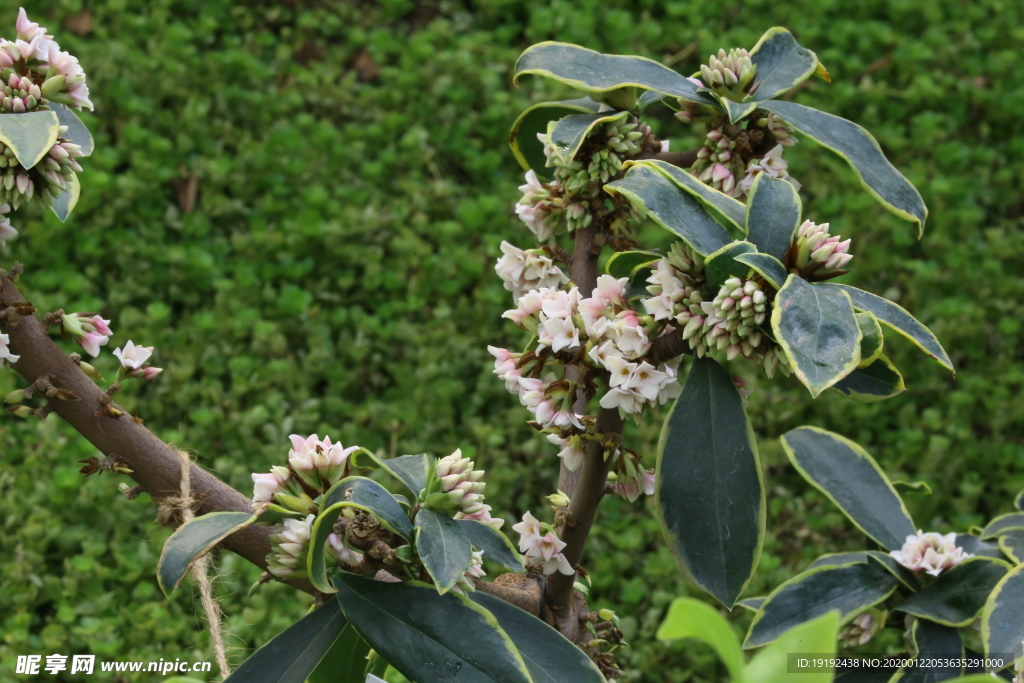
[(522, 271), (931, 553), (546, 552), (131, 356), (5, 351), (571, 451), (265, 485)]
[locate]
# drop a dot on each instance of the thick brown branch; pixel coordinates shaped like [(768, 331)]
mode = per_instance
[(156, 466)]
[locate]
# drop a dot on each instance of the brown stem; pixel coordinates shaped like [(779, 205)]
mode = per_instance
[(156, 466)]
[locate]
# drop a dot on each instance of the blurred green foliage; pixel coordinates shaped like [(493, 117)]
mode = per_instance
[(335, 276)]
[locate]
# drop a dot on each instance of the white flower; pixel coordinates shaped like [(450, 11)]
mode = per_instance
[(265, 485), (931, 552), (627, 401), (132, 357), (559, 333), (529, 531), (647, 381), (546, 551), (5, 352), (572, 450), (288, 546), (523, 271)]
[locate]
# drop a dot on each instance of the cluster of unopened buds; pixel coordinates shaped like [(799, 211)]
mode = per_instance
[(931, 553), (45, 180), (459, 488), (289, 547), (722, 165), (476, 571), (729, 73), (862, 629), (313, 467), (816, 248), (526, 270), (39, 59), (541, 550), (89, 330), (628, 479)]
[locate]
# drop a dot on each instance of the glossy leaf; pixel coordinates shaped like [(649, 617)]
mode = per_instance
[(592, 71), (345, 662), (976, 546), (293, 654), (876, 382), (528, 150), (852, 480), (773, 215), (817, 636), (623, 263), (752, 604), (722, 265), (192, 540), (30, 136), (316, 558), (690, 618), (1012, 545), (862, 151), (366, 494), (736, 110), (651, 97), (77, 131), (430, 637), (567, 135), (818, 332), (872, 338), (836, 559), (889, 564), (959, 594), (710, 494), (549, 657), (897, 318), (654, 195), (411, 470), (731, 209), (1002, 619), (782, 63), (496, 546), (1018, 502), (937, 643), (443, 546), (64, 203), (849, 588), (768, 267), (1002, 523)]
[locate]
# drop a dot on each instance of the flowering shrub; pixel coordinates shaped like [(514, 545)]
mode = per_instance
[(404, 568)]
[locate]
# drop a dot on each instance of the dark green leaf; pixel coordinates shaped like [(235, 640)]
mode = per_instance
[(937, 643), (194, 539), (366, 494), (731, 209), (1018, 502), (1011, 544), (850, 589), (897, 318), (528, 150), (818, 332), (648, 98), (722, 265), (836, 559), (430, 637), (852, 479), (736, 110), (30, 136), (876, 382), (77, 132), (293, 654), (959, 594), (568, 134), (1012, 520), (443, 546), (592, 71), (496, 546), (863, 153), (889, 564), (411, 470), (976, 546), (657, 197), (623, 263), (782, 63), (872, 340), (752, 604), (345, 662), (773, 215), (65, 202), (710, 495), (1002, 620), (768, 267), (549, 657)]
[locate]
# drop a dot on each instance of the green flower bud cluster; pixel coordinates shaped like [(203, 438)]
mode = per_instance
[(20, 94), (773, 360), (863, 628), (42, 183), (476, 570), (455, 486), (729, 74), (777, 128), (676, 295), (815, 247), (734, 318)]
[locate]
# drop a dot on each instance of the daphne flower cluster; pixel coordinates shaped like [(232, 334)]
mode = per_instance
[(629, 479), (476, 570), (45, 180), (462, 489), (134, 359), (771, 164), (35, 52), (5, 352), (342, 552), (860, 630), (541, 550), (289, 548), (89, 331), (815, 246), (931, 553), (320, 464), (523, 271)]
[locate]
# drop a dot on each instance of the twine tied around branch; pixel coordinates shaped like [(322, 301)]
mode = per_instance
[(179, 509)]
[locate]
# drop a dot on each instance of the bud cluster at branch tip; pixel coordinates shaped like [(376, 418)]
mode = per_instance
[(729, 74), (816, 247), (542, 550), (89, 330), (289, 548), (456, 486)]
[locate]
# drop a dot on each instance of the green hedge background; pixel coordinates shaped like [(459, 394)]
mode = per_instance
[(336, 276)]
